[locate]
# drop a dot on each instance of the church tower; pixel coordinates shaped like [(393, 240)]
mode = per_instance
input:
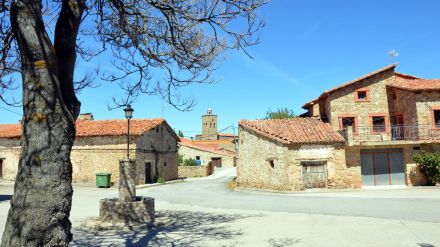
[(209, 126)]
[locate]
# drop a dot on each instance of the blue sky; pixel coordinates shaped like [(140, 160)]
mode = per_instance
[(306, 47)]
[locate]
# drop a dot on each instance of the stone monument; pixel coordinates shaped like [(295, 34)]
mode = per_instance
[(128, 208)]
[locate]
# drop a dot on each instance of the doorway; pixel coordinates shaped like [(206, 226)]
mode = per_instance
[(148, 179), (217, 162), (1, 168), (398, 129), (314, 174)]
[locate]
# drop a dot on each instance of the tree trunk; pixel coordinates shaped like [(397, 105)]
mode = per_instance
[(40, 206)]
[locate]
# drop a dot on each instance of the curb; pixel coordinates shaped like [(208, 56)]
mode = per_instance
[(143, 186)]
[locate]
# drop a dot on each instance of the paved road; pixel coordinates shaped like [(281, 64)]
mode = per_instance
[(419, 204), (204, 212)]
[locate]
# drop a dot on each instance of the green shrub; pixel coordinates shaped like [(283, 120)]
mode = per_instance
[(180, 159), (161, 180), (430, 166), (189, 162)]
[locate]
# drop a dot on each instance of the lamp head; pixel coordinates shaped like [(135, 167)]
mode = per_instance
[(128, 112)]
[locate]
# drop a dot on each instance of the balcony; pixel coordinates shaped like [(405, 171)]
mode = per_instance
[(390, 135)]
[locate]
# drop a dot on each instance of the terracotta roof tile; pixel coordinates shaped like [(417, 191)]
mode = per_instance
[(327, 92), (415, 84), (295, 130), (89, 128), (10, 130), (226, 134), (209, 146)]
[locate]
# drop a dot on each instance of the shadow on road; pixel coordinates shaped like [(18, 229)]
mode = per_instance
[(172, 228), (5, 198)]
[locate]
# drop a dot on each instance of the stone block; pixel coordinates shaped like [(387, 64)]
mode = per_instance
[(114, 211)]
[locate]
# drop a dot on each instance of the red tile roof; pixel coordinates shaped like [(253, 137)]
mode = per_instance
[(327, 92), (209, 146), (295, 130), (10, 130), (415, 84), (226, 134), (89, 128)]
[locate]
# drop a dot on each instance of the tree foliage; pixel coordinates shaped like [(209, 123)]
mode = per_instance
[(180, 134), (280, 113), (430, 166)]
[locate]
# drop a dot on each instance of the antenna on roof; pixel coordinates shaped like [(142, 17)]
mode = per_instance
[(393, 53)]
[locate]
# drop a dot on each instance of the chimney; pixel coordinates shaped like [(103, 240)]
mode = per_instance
[(85, 116)]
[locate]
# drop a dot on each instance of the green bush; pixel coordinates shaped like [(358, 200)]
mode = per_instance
[(180, 159), (430, 166), (189, 162), (161, 180)]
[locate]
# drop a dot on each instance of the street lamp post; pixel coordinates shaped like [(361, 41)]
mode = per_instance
[(128, 114)]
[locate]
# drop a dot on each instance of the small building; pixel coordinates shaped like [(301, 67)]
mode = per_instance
[(220, 152), (100, 144), (292, 154)]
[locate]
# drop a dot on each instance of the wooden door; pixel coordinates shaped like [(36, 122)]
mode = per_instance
[(1, 168), (148, 179), (314, 174), (217, 162)]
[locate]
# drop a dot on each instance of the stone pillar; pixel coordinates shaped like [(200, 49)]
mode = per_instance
[(127, 184)]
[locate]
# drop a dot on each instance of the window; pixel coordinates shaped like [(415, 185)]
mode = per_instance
[(197, 157), (164, 163), (362, 95), (436, 116), (379, 124), (348, 121), (271, 163)]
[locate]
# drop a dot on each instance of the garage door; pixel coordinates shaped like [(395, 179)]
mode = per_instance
[(382, 167)]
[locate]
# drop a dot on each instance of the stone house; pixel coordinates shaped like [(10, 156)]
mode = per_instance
[(220, 152), (100, 144), (386, 117), (291, 154)]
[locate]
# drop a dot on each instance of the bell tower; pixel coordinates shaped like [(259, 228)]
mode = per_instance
[(209, 126)]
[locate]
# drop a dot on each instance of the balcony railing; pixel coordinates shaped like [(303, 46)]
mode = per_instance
[(393, 133)]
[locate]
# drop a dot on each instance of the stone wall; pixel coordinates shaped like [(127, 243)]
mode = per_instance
[(405, 103), (206, 156), (91, 155), (10, 154), (255, 169), (193, 171), (424, 103), (159, 148), (343, 101)]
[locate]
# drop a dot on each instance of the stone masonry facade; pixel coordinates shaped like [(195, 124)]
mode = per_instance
[(256, 152), (384, 98), (96, 154)]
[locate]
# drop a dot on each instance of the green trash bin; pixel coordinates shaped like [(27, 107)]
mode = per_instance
[(103, 180)]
